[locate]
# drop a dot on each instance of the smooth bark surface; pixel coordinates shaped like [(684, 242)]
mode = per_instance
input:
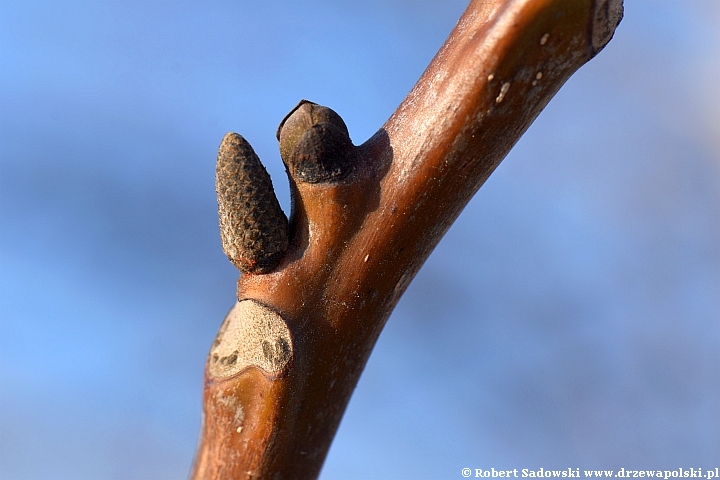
[(356, 243)]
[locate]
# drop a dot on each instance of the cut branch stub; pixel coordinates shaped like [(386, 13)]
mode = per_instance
[(253, 228)]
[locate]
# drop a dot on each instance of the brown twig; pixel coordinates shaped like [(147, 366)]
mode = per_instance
[(363, 221)]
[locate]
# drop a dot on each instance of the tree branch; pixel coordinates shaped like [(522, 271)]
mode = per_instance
[(363, 221)]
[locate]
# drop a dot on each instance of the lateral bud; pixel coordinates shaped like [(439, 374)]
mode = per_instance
[(254, 230), (315, 144)]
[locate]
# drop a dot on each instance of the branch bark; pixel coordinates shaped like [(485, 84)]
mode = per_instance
[(363, 221)]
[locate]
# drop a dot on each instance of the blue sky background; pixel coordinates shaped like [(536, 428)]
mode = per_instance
[(570, 318)]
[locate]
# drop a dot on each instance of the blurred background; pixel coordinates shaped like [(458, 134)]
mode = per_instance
[(570, 317)]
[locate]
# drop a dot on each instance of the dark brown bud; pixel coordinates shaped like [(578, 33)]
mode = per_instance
[(606, 17), (315, 144), (253, 228)]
